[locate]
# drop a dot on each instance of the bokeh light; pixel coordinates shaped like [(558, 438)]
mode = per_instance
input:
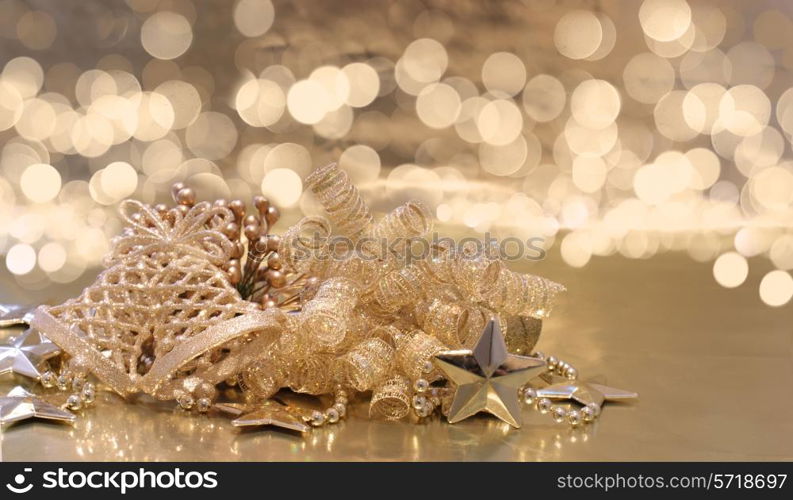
[(166, 35), (730, 269), (623, 129), (776, 288)]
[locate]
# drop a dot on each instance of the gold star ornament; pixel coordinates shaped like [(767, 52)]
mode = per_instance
[(13, 315), (26, 353), (585, 393), (487, 378), (270, 413), (19, 404)]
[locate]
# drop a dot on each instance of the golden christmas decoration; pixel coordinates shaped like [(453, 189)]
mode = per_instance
[(585, 393), (270, 413), (19, 404), (200, 295), (487, 378), (26, 353), (14, 315)]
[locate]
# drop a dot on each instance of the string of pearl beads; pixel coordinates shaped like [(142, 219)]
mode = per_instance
[(559, 413), (84, 392), (332, 414)]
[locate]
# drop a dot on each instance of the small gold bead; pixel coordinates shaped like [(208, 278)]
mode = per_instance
[(272, 215), (235, 275), (261, 203), (275, 262), (175, 188), (238, 250), (231, 230), (74, 402), (261, 245), (273, 242), (276, 278), (185, 196), (238, 208), (251, 231)]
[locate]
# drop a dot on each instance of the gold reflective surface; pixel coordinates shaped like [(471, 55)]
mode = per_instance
[(711, 367)]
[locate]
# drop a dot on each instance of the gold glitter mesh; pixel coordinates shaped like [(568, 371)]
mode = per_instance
[(522, 294), (366, 364), (162, 289), (391, 399), (445, 321), (303, 244), (312, 374), (410, 220), (262, 379), (342, 201), (326, 316), (398, 288), (414, 351)]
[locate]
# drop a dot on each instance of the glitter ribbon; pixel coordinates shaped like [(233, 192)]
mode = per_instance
[(163, 318)]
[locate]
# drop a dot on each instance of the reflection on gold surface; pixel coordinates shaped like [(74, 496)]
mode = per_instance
[(146, 432), (668, 332)]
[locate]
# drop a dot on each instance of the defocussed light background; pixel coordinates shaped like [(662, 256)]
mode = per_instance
[(605, 127)]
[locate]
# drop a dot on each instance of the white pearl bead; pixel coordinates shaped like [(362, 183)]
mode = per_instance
[(48, 379), (62, 381), (424, 411), (340, 409), (529, 395), (186, 401), (317, 418), (332, 415), (574, 418), (421, 385), (544, 405), (78, 383), (88, 395), (74, 402), (203, 404), (559, 414)]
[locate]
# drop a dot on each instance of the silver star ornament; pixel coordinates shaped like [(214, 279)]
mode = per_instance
[(487, 378), (585, 393), (25, 353), (269, 413), (20, 404), (13, 315)]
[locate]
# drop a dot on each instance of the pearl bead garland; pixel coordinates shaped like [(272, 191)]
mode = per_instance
[(426, 398), (84, 392), (331, 415), (560, 414)]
